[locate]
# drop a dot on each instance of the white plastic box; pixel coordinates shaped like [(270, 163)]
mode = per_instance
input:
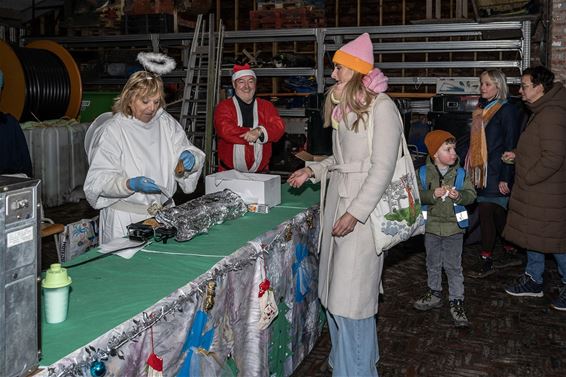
[(253, 188)]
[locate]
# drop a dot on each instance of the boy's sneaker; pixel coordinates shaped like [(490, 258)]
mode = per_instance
[(525, 286), (560, 302), (458, 313), (483, 269), (508, 259), (430, 300)]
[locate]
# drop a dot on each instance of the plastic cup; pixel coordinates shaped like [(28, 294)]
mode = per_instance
[(56, 293)]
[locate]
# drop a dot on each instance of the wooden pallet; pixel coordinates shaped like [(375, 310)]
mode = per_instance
[(302, 17)]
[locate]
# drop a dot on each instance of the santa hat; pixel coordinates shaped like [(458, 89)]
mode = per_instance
[(241, 71), (434, 140), (356, 55)]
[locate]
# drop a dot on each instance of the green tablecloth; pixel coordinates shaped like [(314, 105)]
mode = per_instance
[(111, 290)]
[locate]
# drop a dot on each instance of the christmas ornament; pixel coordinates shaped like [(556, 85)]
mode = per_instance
[(97, 369), (288, 233), (310, 220), (267, 304), (210, 293), (154, 366), (154, 362)]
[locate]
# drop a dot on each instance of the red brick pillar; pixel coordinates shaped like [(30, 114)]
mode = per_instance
[(558, 42)]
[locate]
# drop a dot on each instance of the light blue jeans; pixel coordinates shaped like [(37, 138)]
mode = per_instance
[(535, 265), (354, 351)]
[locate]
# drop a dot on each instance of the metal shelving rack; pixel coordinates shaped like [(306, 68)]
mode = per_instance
[(512, 37)]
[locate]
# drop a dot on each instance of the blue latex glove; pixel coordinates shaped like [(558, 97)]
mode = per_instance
[(143, 184), (188, 160)]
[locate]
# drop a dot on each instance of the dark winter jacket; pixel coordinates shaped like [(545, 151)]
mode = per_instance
[(501, 134), (441, 219), (537, 208), (14, 153)]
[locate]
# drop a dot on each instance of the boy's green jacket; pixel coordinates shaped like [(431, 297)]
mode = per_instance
[(441, 219)]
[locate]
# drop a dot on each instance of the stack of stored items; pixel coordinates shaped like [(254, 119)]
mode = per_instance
[(284, 18), (145, 17), (88, 20), (279, 4), (148, 23), (140, 7), (502, 7)]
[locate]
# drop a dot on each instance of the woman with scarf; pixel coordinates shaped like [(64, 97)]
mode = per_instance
[(350, 266), (495, 130)]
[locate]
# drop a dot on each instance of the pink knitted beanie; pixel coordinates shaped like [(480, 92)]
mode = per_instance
[(356, 55)]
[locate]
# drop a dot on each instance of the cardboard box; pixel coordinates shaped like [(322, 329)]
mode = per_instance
[(253, 188), (309, 158)]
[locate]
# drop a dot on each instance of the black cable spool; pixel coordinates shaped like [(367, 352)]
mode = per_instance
[(41, 81), (47, 84)]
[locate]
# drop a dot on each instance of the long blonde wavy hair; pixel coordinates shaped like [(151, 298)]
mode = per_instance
[(140, 84), (355, 98)]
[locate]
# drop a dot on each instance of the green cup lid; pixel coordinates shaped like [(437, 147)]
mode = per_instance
[(56, 277)]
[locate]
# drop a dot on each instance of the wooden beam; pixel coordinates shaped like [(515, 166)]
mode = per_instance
[(336, 12)]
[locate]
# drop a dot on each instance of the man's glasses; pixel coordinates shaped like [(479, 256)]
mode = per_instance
[(524, 86)]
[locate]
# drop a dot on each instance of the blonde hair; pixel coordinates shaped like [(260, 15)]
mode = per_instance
[(499, 80), (355, 98), (140, 84)]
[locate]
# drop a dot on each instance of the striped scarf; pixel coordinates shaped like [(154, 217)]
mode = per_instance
[(476, 159)]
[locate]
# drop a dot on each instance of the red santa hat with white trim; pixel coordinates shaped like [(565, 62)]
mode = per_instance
[(241, 71)]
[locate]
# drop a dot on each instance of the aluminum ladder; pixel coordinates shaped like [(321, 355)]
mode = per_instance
[(202, 85)]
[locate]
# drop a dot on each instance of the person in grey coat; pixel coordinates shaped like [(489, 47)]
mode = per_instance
[(350, 266)]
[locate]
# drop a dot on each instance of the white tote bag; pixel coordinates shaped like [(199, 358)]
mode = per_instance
[(397, 216)]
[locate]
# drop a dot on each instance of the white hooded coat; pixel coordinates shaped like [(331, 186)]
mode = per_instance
[(123, 147)]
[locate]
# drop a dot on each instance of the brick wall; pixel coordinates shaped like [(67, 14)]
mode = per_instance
[(558, 43)]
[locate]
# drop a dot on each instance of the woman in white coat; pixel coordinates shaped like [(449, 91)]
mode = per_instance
[(350, 266), (133, 154)]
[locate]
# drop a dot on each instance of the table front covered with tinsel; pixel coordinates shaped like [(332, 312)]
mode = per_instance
[(239, 300)]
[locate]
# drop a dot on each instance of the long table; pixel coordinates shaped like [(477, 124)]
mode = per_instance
[(120, 311)]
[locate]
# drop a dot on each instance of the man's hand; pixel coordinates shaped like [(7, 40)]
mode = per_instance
[(252, 135)]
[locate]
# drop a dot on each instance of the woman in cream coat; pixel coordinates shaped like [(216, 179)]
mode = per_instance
[(350, 266)]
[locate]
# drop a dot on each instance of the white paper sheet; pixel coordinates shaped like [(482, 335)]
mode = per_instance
[(130, 247)]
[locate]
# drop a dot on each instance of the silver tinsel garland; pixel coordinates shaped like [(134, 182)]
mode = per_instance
[(198, 215)]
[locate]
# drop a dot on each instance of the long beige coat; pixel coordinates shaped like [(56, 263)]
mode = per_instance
[(350, 268)]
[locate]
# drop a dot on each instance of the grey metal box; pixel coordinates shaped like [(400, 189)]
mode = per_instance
[(19, 276)]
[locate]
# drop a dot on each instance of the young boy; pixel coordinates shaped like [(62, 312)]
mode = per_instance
[(444, 190)]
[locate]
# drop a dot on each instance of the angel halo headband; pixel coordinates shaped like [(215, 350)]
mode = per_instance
[(157, 63)]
